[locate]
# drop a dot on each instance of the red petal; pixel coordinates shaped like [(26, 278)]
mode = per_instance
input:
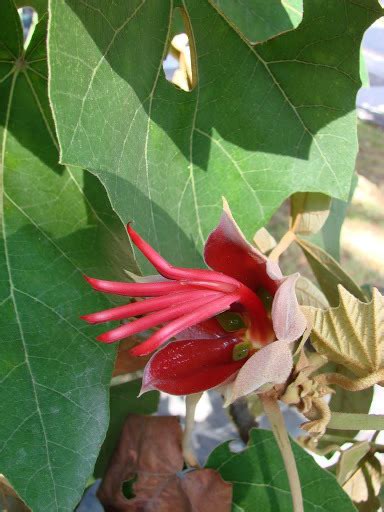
[(190, 366), (210, 328), (227, 251)]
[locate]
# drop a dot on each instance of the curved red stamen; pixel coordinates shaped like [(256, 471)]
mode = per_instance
[(136, 289), (145, 306), (154, 319), (199, 314), (169, 271)]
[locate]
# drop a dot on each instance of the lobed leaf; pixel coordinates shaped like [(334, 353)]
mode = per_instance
[(259, 20), (351, 334), (54, 223), (262, 122)]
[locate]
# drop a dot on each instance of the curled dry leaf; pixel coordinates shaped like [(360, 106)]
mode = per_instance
[(307, 395), (352, 334), (150, 449)]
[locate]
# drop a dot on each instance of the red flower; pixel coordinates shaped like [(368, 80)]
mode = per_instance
[(187, 302)]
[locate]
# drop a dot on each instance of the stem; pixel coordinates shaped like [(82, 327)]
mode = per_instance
[(191, 402), (351, 384), (282, 246), (276, 419)]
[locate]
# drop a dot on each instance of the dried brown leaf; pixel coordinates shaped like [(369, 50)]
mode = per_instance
[(127, 363), (9, 500), (150, 449)]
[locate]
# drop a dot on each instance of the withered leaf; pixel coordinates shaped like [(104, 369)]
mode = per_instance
[(125, 361), (351, 334), (150, 449), (9, 500)]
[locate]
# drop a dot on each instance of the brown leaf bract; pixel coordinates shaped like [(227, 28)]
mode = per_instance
[(9, 500), (125, 361), (150, 447)]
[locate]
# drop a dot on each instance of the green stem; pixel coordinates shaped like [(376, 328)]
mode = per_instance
[(276, 419)]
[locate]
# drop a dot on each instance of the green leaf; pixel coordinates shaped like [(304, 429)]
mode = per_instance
[(54, 376), (123, 401), (329, 273), (329, 237), (349, 460), (348, 401), (262, 122), (259, 20), (347, 421), (365, 483), (260, 481)]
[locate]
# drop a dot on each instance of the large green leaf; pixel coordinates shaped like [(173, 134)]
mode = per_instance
[(54, 221), (259, 20), (260, 481), (262, 122)]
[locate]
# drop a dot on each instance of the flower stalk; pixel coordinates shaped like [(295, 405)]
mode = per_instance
[(276, 419)]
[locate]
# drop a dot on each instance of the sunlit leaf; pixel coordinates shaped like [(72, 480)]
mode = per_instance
[(261, 123), (259, 20)]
